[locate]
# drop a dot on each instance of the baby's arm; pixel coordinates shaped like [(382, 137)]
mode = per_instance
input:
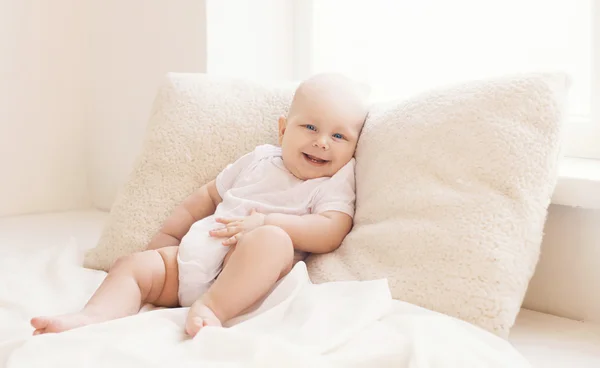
[(315, 233), (198, 205)]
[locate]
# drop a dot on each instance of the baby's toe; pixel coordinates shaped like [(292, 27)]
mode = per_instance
[(211, 322), (40, 323), (193, 325)]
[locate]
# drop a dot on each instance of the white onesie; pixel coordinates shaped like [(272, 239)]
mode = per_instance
[(257, 180)]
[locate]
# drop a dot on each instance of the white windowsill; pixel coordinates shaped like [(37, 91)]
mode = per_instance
[(578, 183)]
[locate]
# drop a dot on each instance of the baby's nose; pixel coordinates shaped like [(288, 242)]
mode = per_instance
[(322, 142)]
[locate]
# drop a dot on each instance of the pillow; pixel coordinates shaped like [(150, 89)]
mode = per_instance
[(453, 188), (199, 124)]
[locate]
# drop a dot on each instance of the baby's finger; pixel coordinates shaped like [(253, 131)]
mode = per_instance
[(232, 241), (228, 226), (225, 232), (234, 224), (226, 221)]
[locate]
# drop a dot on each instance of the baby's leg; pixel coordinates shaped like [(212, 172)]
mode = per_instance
[(259, 260), (146, 277)]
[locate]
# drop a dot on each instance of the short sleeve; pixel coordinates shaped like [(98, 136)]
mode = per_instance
[(338, 193), (226, 178)]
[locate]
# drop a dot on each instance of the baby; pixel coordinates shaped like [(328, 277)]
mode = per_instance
[(226, 245)]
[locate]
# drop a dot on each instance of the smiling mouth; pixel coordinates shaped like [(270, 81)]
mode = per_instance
[(314, 160)]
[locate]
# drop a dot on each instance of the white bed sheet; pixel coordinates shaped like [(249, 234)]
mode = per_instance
[(353, 324)]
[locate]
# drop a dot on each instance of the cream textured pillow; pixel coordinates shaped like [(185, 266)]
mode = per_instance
[(452, 192), (199, 124)]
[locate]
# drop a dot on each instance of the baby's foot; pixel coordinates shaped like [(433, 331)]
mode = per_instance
[(62, 323), (200, 316)]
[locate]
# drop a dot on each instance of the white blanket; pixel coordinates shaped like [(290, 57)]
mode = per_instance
[(343, 324)]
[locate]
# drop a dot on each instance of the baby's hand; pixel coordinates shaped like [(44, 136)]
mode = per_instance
[(236, 227)]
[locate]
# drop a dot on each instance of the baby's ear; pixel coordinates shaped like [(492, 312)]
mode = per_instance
[(282, 122)]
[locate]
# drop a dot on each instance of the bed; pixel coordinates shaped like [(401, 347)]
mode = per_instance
[(350, 324)]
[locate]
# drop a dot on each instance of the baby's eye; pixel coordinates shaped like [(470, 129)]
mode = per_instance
[(338, 136), (311, 127)]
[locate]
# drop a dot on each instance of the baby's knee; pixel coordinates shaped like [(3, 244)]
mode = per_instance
[(272, 239), (131, 261), (122, 262), (270, 234)]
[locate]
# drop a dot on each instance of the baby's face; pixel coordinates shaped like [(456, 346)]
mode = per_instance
[(318, 138)]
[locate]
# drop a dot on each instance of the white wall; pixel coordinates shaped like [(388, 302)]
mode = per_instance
[(133, 44), (566, 281), (41, 106), (77, 83), (251, 39)]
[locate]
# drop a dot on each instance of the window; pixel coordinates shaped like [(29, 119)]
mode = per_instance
[(404, 47)]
